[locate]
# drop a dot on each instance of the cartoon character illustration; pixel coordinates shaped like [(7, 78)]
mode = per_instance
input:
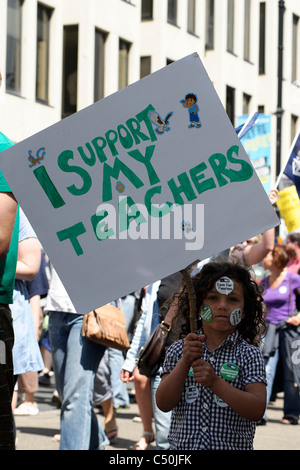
[(162, 124), (190, 103), (39, 156)]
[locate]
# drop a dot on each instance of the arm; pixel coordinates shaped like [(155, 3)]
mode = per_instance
[(253, 254), (170, 388), (29, 259), (8, 210), (249, 403)]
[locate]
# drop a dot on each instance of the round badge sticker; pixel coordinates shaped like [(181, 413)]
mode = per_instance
[(282, 289), (220, 402), (191, 394), (229, 371), (206, 313), (191, 372), (235, 317), (224, 285)]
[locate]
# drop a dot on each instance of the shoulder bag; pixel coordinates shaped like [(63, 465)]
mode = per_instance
[(107, 326), (151, 354)]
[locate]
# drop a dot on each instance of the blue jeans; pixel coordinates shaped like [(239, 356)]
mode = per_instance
[(116, 358), (75, 362), (291, 407), (161, 420)]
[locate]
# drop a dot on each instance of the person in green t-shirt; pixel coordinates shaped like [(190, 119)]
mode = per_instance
[(9, 231)]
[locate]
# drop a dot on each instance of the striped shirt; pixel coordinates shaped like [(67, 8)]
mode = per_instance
[(201, 420)]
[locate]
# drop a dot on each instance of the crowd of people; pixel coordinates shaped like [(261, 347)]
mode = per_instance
[(219, 377)]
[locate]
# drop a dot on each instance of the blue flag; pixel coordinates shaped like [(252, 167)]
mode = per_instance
[(244, 128), (292, 168)]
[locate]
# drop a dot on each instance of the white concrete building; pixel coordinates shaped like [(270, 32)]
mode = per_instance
[(59, 56)]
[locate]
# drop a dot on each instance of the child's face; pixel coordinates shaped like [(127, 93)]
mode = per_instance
[(222, 308)]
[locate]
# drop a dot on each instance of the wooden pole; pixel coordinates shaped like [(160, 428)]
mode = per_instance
[(192, 300)]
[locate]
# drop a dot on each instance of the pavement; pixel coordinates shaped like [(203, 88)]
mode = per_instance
[(36, 432)]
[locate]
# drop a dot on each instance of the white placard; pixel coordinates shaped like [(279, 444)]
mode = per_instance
[(119, 201)]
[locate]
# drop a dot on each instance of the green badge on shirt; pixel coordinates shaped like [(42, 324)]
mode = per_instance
[(229, 371), (206, 313)]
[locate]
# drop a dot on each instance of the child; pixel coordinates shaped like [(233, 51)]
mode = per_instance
[(214, 381)]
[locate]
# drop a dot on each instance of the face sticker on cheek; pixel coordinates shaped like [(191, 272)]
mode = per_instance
[(224, 285), (235, 316), (206, 313)]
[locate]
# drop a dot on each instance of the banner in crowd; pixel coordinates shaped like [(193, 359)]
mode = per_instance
[(257, 143), (138, 185), (289, 206)]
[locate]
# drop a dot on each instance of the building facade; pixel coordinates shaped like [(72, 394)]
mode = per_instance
[(59, 56)]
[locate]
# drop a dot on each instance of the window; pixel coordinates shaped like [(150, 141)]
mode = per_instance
[(247, 29), (295, 48), (14, 46), (147, 9), (262, 38), (70, 65), (145, 66), (294, 127), (230, 103), (124, 48), (210, 24), (230, 25), (172, 11), (191, 16), (42, 62), (246, 103), (100, 38)]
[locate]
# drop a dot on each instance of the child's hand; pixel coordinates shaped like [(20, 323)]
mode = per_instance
[(204, 373), (192, 348)]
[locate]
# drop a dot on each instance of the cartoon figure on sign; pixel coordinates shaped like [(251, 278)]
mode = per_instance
[(162, 125), (190, 103), (39, 156)]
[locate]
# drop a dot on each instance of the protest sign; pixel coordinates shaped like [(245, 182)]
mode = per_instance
[(289, 206), (257, 143), (138, 185)]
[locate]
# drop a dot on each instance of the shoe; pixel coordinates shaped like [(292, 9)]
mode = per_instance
[(261, 422), (121, 407), (56, 399), (112, 435), (26, 409), (145, 440), (44, 379), (287, 420)]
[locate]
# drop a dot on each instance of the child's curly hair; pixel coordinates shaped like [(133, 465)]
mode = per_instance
[(252, 327)]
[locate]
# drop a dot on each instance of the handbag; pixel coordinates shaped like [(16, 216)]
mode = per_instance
[(107, 326), (151, 354)]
